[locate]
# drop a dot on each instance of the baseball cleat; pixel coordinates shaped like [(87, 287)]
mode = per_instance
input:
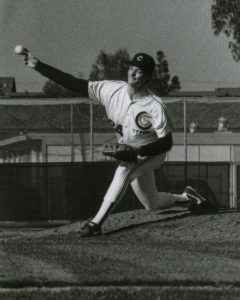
[(90, 229), (198, 202)]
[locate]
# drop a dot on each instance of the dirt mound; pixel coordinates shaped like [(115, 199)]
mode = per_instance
[(115, 223), (168, 224)]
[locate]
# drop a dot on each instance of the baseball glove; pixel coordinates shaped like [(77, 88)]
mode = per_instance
[(121, 152)]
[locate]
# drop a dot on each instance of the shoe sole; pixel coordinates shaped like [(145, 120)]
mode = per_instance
[(206, 202), (195, 194)]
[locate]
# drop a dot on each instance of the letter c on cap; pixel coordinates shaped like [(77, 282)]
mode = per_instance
[(140, 58)]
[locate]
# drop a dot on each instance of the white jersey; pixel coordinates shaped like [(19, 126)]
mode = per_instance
[(138, 122)]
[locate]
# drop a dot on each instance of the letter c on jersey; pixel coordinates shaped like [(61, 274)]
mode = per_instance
[(143, 120)]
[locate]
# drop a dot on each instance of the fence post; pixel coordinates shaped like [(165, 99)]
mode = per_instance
[(185, 138), (233, 203), (72, 134), (91, 129)]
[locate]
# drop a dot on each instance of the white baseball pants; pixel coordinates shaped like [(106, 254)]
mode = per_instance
[(141, 177)]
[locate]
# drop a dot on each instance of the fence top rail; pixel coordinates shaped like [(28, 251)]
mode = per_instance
[(68, 101), (203, 100), (210, 100), (42, 101)]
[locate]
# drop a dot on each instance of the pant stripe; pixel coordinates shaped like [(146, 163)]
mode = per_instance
[(129, 174)]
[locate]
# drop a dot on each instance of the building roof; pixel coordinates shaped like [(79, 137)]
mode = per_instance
[(227, 92), (219, 92), (192, 94)]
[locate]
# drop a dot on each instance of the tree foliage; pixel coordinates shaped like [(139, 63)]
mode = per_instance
[(115, 67), (162, 83), (226, 20), (111, 66)]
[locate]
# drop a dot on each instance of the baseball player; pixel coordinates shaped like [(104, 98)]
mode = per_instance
[(144, 132)]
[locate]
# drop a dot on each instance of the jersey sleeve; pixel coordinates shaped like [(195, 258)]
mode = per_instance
[(161, 121), (101, 91)]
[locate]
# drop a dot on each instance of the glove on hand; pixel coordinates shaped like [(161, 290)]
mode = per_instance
[(121, 152)]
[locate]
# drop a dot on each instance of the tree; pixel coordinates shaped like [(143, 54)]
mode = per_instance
[(115, 67), (162, 83), (226, 20), (111, 66)]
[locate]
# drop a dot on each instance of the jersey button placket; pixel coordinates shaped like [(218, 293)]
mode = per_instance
[(126, 122), (127, 116)]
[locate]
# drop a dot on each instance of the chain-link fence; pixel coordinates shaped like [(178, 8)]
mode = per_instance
[(37, 132)]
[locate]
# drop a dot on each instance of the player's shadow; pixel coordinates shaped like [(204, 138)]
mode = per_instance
[(185, 214), (170, 218)]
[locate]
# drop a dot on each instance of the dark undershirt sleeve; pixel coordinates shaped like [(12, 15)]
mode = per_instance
[(68, 81), (162, 145)]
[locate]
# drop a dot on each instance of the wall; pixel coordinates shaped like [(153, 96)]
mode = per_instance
[(63, 191)]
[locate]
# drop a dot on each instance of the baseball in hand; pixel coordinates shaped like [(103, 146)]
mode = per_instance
[(20, 50)]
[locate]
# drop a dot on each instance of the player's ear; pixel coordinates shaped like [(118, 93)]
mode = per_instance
[(149, 77)]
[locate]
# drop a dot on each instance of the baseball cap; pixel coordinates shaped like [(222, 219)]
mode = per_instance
[(143, 61)]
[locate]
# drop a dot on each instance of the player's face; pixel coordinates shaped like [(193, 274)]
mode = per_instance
[(136, 77)]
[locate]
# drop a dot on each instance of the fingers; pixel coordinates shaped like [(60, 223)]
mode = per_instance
[(30, 60), (26, 59)]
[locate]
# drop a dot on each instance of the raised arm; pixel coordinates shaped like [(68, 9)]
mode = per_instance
[(68, 81)]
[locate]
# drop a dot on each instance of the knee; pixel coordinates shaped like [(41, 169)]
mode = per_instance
[(122, 172), (155, 206), (148, 208), (151, 206)]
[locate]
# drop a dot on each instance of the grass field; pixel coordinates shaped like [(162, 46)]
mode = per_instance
[(142, 255)]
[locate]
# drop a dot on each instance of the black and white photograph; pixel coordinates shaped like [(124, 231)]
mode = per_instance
[(119, 149)]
